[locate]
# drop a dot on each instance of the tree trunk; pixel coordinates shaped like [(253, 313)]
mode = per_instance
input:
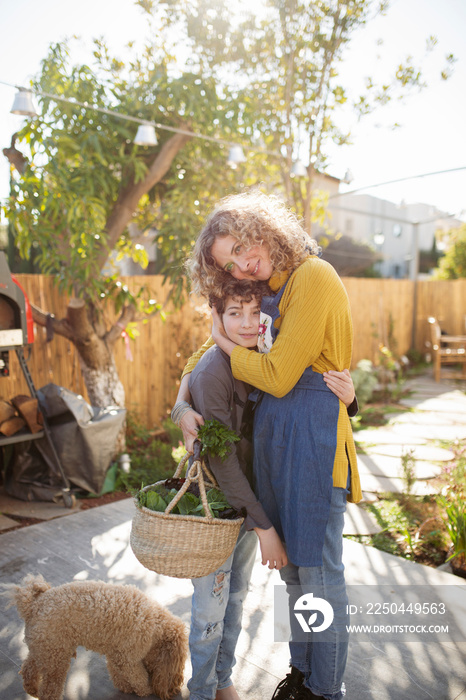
[(103, 385), (95, 351), (104, 388)]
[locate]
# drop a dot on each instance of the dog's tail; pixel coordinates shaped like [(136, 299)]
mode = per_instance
[(25, 594)]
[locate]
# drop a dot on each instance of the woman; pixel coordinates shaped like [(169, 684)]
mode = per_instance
[(304, 456)]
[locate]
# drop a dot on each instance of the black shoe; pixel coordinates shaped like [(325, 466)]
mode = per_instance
[(290, 687)]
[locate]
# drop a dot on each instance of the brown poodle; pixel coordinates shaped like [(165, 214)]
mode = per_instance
[(145, 645)]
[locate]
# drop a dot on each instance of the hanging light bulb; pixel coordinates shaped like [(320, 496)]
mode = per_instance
[(298, 169), (23, 104), (348, 179), (146, 135), (235, 156)]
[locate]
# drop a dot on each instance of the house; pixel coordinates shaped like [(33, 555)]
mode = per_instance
[(397, 231)]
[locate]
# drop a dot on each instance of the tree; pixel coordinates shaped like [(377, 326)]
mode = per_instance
[(429, 259), (452, 265), (267, 81), (283, 64), (85, 181)]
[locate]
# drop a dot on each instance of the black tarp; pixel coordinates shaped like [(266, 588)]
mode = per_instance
[(84, 438)]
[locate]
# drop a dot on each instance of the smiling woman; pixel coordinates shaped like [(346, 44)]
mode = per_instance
[(240, 261)]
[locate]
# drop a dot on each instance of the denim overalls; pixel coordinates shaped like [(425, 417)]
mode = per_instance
[(295, 440), (294, 451)]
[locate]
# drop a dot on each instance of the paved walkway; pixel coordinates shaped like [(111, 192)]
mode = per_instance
[(94, 544), (435, 412)]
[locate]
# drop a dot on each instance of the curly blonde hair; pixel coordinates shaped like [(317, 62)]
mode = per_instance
[(253, 218)]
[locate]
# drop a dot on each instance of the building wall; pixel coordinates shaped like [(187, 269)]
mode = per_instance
[(397, 232)]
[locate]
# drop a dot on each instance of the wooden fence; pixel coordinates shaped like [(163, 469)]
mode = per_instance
[(382, 309)]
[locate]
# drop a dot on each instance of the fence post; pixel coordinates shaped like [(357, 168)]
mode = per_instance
[(414, 275)]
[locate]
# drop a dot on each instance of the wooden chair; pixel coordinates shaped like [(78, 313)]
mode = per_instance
[(447, 349)]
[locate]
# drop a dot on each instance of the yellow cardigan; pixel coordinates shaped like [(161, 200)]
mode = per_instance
[(315, 329)]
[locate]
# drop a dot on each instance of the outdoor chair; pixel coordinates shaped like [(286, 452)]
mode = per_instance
[(446, 349)]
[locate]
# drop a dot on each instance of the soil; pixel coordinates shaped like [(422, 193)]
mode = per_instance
[(85, 504)]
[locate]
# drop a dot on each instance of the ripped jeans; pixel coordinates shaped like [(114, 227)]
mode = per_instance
[(216, 612)]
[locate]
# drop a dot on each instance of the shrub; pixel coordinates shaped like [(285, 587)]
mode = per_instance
[(365, 381)]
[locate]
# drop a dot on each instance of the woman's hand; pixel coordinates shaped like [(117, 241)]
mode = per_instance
[(341, 384), (219, 336), (272, 549), (189, 424)]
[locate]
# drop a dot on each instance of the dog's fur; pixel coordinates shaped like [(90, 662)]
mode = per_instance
[(145, 645)]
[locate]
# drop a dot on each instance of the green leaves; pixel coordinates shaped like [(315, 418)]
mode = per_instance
[(159, 497), (154, 501), (453, 264), (216, 438)]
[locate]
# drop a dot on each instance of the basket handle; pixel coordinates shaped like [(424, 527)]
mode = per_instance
[(194, 475)]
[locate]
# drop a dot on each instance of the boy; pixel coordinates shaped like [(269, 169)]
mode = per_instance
[(218, 598)]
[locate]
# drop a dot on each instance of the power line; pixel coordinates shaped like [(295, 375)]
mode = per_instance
[(193, 134), (400, 179)]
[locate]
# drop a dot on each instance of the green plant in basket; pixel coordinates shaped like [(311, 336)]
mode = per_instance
[(158, 498), (215, 439)]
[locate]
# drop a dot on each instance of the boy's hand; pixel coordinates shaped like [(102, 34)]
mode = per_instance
[(189, 424), (341, 384), (272, 549)]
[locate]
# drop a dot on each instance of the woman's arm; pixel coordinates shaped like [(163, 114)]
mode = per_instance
[(315, 329), (309, 335), (196, 356)]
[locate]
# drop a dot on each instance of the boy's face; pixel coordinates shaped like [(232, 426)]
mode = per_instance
[(241, 321)]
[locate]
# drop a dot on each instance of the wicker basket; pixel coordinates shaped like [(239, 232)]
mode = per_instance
[(183, 546)]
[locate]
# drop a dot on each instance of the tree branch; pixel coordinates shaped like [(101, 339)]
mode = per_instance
[(59, 326), (129, 196), (127, 316)]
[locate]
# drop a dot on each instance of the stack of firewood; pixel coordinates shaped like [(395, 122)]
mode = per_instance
[(18, 413)]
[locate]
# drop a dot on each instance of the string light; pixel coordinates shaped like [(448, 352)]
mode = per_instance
[(23, 105)]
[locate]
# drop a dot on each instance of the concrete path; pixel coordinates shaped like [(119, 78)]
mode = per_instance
[(436, 412), (94, 544)]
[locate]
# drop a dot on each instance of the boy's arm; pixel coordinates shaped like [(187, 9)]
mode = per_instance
[(272, 549), (185, 416), (212, 397), (188, 420)]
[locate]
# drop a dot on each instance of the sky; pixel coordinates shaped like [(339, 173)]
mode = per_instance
[(431, 136)]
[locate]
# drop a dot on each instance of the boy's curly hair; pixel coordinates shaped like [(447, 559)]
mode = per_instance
[(253, 218), (245, 290)]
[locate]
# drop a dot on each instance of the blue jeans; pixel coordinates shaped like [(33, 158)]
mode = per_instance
[(217, 608), (322, 662)]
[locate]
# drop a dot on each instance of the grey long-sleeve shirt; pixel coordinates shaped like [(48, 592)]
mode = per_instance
[(215, 393)]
